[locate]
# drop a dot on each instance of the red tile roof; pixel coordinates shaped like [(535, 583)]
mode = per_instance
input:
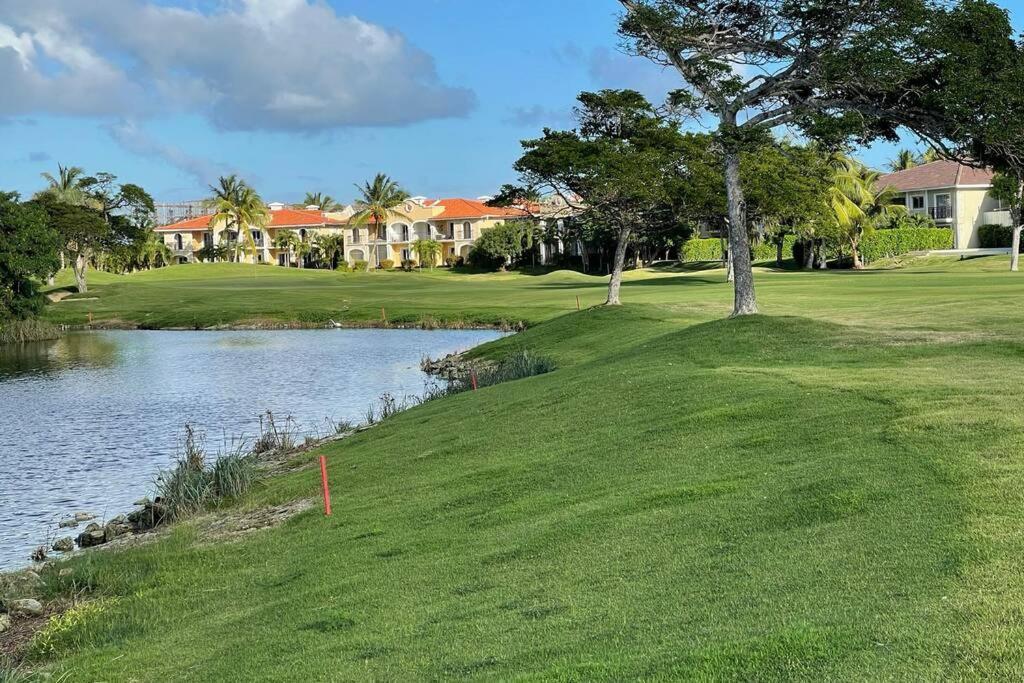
[(282, 218), (936, 174), (454, 208)]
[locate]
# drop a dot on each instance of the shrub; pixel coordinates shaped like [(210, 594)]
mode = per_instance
[(886, 243), (387, 264), (343, 266), (703, 249), (360, 266), (408, 264), (516, 366), (997, 237), (451, 260), (712, 249)]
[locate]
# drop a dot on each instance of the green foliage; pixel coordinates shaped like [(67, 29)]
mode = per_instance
[(997, 237), (379, 199), (387, 264), (452, 260), (408, 265), (500, 246), (886, 243), (28, 254), (360, 266), (702, 249), (427, 251)]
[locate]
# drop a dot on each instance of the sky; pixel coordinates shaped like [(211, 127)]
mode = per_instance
[(299, 96)]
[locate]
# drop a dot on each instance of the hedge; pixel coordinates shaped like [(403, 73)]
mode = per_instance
[(881, 244), (885, 243), (710, 249), (997, 237)]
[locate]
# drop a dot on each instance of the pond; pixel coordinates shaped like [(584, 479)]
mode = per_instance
[(88, 420)]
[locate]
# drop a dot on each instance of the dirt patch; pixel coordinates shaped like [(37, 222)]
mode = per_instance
[(236, 525), (15, 639), (59, 295)]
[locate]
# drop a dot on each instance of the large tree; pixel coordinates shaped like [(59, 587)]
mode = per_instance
[(324, 202), (617, 167), (835, 69), (82, 232), (858, 205), (379, 199), (976, 88), (28, 254)]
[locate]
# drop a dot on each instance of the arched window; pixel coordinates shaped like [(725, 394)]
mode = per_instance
[(178, 243), (467, 231), (302, 234)]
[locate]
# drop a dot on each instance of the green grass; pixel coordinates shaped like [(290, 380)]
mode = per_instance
[(829, 492)]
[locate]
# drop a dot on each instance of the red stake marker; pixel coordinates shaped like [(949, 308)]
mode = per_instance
[(472, 377), (327, 488)]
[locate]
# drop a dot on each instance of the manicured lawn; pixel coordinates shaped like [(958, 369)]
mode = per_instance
[(833, 491)]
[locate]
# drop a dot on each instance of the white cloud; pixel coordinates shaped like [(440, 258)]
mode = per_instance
[(131, 137), (248, 65)]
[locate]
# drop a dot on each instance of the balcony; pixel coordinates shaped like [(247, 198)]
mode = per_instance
[(940, 213)]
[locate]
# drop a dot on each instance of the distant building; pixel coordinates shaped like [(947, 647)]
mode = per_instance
[(172, 212), (951, 194)]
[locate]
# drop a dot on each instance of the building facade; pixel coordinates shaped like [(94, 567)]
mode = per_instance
[(455, 223), (187, 238), (951, 194)]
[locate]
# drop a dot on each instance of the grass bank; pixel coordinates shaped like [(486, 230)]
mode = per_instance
[(832, 491)]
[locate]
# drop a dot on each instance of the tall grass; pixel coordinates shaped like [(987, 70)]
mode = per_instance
[(32, 329), (519, 365), (191, 485)]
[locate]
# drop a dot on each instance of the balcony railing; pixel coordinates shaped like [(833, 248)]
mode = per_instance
[(940, 212)]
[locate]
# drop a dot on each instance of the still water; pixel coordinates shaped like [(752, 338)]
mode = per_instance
[(87, 421)]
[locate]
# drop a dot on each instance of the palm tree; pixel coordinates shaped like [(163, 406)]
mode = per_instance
[(426, 251), (152, 250), (930, 155), (228, 188), (379, 199), (324, 202), (302, 249), (286, 239), (904, 159), (243, 210), (858, 206), (331, 246)]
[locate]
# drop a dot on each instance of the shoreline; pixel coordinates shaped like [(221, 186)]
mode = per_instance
[(123, 326)]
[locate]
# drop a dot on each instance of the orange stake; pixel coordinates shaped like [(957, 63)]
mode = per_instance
[(472, 377), (327, 488)]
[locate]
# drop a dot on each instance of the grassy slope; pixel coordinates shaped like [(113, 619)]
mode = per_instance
[(831, 496)]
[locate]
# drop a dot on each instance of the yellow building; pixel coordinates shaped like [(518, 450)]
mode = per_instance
[(951, 194), (188, 237), (454, 223)]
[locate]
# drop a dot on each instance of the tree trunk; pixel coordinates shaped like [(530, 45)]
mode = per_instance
[(79, 267), (855, 252), (809, 255), (619, 265), (1015, 247), (584, 256), (778, 253), (744, 300), (822, 260)]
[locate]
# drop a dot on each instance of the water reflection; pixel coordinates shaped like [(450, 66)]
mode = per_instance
[(73, 350), (89, 419)]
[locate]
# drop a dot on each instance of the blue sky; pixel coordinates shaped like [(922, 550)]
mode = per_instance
[(153, 90)]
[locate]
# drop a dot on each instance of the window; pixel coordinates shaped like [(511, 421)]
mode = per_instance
[(302, 234), (355, 235), (467, 231), (257, 237), (405, 233), (178, 242), (207, 239), (917, 202), (281, 260), (406, 255)]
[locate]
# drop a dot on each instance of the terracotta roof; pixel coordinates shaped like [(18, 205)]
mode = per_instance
[(454, 208), (936, 174), (282, 218)]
